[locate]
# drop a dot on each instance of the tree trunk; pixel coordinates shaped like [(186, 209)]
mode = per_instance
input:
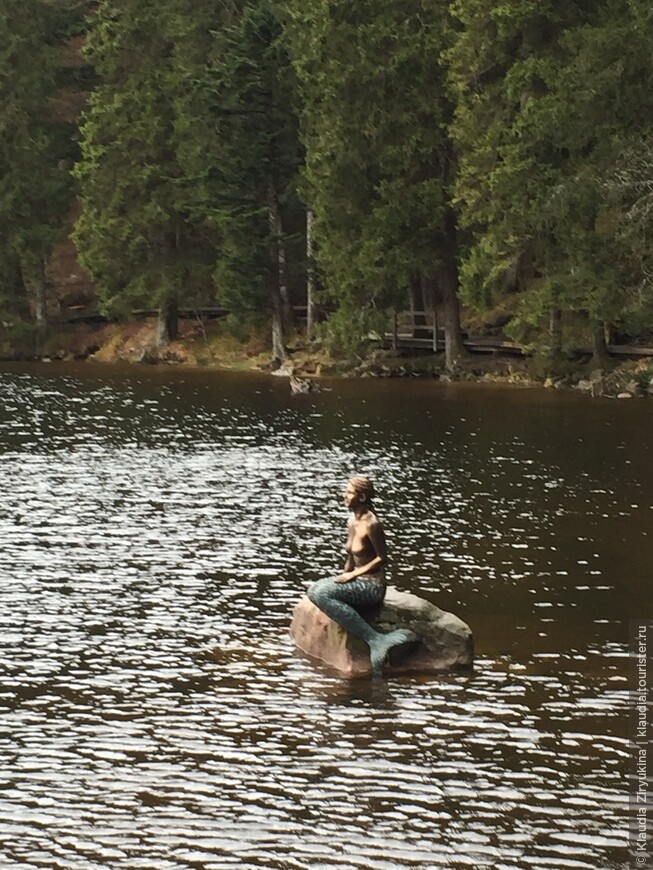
[(430, 293), (310, 275), (40, 305), (454, 349), (276, 229), (21, 299), (168, 323), (555, 333), (38, 292), (600, 355), (417, 308), (278, 345), (280, 306)]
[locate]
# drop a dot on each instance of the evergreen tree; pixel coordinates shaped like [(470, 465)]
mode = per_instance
[(34, 186), (500, 70), (254, 158), (379, 163), (536, 117), (143, 190), (610, 91)]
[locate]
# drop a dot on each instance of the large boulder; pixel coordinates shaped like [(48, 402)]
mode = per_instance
[(446, 643)]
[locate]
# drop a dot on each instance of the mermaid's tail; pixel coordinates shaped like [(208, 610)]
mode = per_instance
[(381, 644), (341, 602)]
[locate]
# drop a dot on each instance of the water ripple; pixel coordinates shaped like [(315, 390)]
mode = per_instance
[(157, 532)]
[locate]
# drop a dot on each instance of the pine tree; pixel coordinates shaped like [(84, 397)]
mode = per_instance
[(35, 188), (379, 163), (255, 158), (536, 119), (141, 234), (609, 85)]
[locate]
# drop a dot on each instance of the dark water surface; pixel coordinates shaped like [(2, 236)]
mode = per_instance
[(148, 517)]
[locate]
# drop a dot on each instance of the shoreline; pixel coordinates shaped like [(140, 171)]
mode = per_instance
[(135, 344)]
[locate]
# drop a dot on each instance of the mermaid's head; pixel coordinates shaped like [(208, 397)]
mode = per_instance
[(362, 487)]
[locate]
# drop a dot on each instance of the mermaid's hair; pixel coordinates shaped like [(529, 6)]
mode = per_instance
[(363, 485)]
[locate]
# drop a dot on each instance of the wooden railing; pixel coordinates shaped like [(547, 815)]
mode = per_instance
[(415, 329), (420, 329)]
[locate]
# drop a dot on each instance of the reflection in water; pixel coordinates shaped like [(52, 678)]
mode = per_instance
[(157, 530)]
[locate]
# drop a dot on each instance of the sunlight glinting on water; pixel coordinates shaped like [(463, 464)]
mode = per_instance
[(156, 535)]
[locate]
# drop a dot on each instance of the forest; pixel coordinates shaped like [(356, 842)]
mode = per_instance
[(485, 158)]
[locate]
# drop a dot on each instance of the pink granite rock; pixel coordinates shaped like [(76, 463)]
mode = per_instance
[(447, 643)]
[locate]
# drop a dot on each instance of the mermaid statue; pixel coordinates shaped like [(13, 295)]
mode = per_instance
[(362, 585)]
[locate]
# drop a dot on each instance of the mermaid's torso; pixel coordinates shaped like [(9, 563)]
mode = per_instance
[(361, 550)]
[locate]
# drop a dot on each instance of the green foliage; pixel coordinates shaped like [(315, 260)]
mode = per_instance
[(189, 146), (34, 186), (141, 233), (540, 102), (346, 332), (239, 326), (255, 155), (210, 124), (629, 188), (374, 115)]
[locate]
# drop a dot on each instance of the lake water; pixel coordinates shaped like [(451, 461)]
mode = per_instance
[(157, 528)]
